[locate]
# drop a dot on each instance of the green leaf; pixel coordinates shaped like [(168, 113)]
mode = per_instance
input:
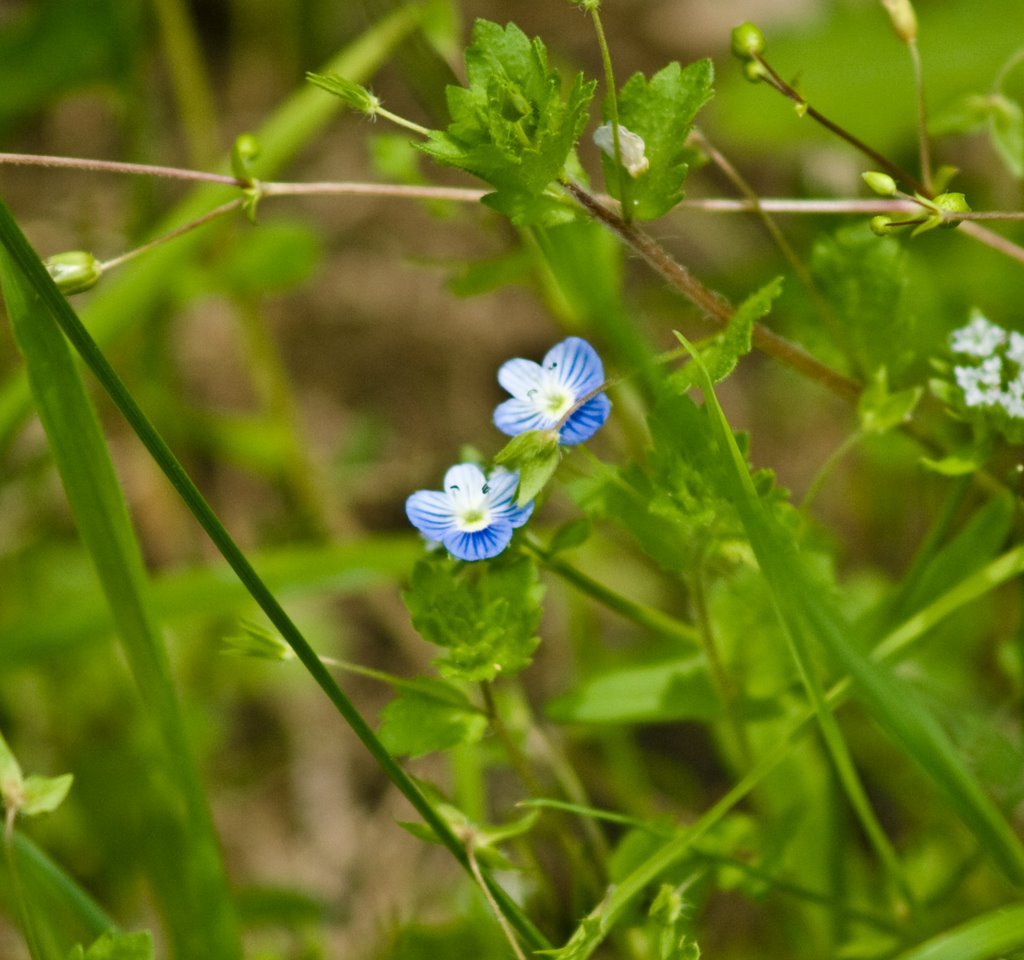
[(11, 777), (511, 126), (570, 535), (485, 615), (880, 411), (990, 935), (1006, 130), (661, 112), (431, 716), (809, 612), (864, 279), (724, 351), (118, 946), (536, 455), (44, 794), (666, 692), (966, 114), (279, 255)]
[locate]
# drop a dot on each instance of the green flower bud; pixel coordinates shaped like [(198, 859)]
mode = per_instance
[(881, 226), (353, 95), (74, 272), (904, 20), (755, 71), (245, 150), (951, 203), (747, 41), (880, 183)]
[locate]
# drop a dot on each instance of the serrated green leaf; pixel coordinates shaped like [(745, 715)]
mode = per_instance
[(510, 126), (725, 350), (864, 280), (44, 794), (661, 112), (880, 411), (433, 717), (485, 615), (667, 692)]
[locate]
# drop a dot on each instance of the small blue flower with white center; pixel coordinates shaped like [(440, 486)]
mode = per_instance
[(543, 393), (474, 515)]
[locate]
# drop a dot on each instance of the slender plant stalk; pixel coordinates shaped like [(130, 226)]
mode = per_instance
[(20, 251), (923, 148), (612, 93), (28, 923)]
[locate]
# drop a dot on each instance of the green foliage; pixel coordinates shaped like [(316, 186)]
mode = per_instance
[(864, 280), (996, 113), (428, 715), (879, 410), (511, 126), (117, 946), (485, 615), (660, 111)]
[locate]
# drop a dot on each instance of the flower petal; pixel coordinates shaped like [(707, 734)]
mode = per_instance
[(517, 416), (479, 544), (576, 365), (586, 421), (431, 512), (520, 376), (501, 485), (463, 485)]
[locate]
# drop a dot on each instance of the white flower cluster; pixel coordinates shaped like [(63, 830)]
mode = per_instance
[(995, 379)]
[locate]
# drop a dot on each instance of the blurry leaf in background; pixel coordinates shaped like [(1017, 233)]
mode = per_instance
[(279, 255), (865, 279), (56, 46), (660, 111), (117, 946), (484, 614)]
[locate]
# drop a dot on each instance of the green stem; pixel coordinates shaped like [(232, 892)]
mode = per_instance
[(825, 470), (923, 149), (613, 114), (28, 927), (93, 357)]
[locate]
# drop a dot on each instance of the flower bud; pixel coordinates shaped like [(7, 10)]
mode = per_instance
[(880, 183), (245, 150), (631, 148), (904, 20), (949, 203), (881, 226), (74, 272), (754, 71), (747, 41)]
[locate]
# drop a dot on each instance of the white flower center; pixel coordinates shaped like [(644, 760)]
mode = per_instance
[(552, 398), (471, 508)]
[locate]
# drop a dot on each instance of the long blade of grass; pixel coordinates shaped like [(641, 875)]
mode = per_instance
[(95, 497), (983, 938), (891, 702), (131, 293), (57, 310)]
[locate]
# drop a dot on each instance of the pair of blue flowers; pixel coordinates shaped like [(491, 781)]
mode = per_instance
[(474, 515)]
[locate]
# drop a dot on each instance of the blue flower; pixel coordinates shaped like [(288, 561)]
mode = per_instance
[(473, 516), (542, 393)]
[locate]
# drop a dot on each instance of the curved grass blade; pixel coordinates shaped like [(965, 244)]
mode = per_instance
[(205, 917), (57, 309), (891, 702), (983, 938)]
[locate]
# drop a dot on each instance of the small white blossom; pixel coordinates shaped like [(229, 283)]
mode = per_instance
[(631, 148), (981, 385), (1015, 351), (979, 338)]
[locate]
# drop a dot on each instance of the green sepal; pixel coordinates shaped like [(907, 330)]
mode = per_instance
[(353, 95), (536, 455), (878, 410), (661, 112), (484, 615), (257, 641), (74, 272)]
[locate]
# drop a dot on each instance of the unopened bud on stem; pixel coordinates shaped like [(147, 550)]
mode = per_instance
[(747, 41), (904, 20), (74, 272), (880, 183)]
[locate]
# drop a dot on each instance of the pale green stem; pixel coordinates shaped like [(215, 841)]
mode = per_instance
[(613, 114)]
